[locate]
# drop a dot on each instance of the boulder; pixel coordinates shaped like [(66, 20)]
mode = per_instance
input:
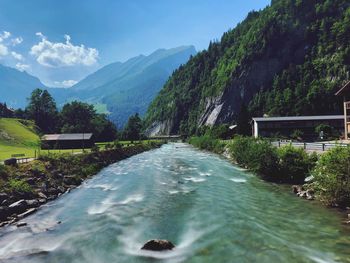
[(20, 224), (158, 245), (18, 207), (33, 203), (42, 195), (4, 213), (3, 196), (27, 213)]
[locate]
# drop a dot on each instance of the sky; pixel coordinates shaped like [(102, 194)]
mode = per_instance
[(62, 41)]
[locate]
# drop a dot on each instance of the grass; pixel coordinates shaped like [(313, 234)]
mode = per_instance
[(17, 137)]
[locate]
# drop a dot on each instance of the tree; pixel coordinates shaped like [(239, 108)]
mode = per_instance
[(80, 117), (77, 117), (132, 130), (42, 109)]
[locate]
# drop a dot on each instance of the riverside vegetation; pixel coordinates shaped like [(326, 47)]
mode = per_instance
[(329, 173), (25, 187)]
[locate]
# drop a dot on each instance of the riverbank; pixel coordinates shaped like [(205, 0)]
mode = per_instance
[(24, 188), (324, 178)]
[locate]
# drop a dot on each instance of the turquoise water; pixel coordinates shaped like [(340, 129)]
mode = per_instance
[(211, 210)]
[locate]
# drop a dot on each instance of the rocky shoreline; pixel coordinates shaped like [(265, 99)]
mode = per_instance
[(50, 177)]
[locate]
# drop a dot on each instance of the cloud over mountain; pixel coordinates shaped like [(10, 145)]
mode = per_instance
[(51, 54)]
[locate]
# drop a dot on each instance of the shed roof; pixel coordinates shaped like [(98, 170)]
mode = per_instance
[(67, 137), (299, 118), (344, 89)]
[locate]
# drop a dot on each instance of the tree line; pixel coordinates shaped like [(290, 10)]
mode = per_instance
[(74, 117)]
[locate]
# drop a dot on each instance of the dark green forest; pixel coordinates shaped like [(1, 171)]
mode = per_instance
[(287, 59)]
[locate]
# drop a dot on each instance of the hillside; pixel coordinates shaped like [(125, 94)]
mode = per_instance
[(16, 86), (123, 89), (287, 59), (17, 136)]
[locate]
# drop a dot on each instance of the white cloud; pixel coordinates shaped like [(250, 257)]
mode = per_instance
[(4, 35), (59, 54), (22, 67), (3, 50), (17, 55), (16, 41), (66, 83)]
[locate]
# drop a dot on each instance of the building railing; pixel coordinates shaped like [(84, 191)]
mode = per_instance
[(310, 146)]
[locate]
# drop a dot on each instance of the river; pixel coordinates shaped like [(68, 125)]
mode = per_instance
[(211, 210)]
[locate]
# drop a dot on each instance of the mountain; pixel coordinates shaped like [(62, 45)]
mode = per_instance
[(16, 86), (123, 89), (287, 59)]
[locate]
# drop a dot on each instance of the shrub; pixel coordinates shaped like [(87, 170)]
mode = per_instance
[(19, 185), (297, 135), (207, 143), (3, 171), (95, 149), (294, 164), (332, 176), (256, 154)]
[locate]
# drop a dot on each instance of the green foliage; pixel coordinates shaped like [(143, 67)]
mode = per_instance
[(95, 148), (207, 142), (297, 135), (294, 164), (42, 109), (132, 130), (325, 131), (332, 176), (19, 185), (3, 171), (256, 154), (283, 165), (80, 117)]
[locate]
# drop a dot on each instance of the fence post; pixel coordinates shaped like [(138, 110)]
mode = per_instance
[(323, 147), (304, 145), (279, 144)]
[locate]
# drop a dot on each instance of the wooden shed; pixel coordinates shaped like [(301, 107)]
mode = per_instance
[(67, 141)]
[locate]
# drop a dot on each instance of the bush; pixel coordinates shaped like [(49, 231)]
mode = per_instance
[(256, 154), (19, 185), (3, 171), (332, 176), (207, 143), (294, 164), (95, 149)]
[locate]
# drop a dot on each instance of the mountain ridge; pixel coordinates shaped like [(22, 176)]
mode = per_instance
[(287, 59)]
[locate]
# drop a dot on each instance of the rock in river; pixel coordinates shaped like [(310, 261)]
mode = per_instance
[(158, 245)]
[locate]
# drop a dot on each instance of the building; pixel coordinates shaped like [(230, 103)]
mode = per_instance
[(67, 141), (345, 92), (284, 126)]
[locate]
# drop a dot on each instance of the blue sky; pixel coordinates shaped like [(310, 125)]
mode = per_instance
[(62, 41)]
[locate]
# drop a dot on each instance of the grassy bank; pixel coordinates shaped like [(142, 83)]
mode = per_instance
[(329, 173), (25, 187)]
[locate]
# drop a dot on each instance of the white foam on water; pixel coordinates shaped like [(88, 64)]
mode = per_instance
[(205, 174), (238, 180), (22, 244), (172, 192), (194, 179), (132, 245), (104, 187), (100, 208), (132, 199)]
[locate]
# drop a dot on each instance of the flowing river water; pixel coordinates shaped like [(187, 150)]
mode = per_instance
[(211, 210)]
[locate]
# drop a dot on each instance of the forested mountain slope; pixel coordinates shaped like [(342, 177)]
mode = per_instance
[(288, 59), (124, 89)]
